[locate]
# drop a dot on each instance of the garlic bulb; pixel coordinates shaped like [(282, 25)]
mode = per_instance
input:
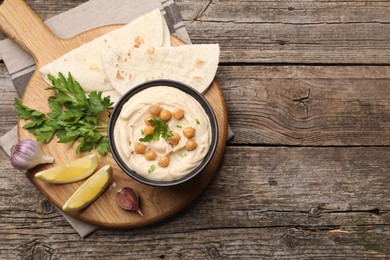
[(27, 154)]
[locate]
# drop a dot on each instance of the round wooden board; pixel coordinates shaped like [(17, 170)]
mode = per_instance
[(156, 203)]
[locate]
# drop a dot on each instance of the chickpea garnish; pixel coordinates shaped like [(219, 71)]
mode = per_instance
[(178, 113), (146, 120), (165, 115), (150, 155), (175, 139), (164, 161), (139, 148), (191, 145), (155, 110), (148, 130), (189, 132)]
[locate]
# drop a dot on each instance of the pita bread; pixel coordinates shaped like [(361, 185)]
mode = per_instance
[(166, 35), (113, 94), (195, 65), (84, 63)]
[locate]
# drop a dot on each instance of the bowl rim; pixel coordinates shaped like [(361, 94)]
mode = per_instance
[(169, 83)]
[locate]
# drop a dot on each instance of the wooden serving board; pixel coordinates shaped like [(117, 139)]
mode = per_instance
[(20, 23)]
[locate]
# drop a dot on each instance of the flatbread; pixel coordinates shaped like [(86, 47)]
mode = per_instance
[(113, 94), (84, 63), (195, 65), (166, 35)]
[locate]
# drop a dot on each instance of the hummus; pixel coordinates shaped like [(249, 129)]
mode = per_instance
[(129, 127)]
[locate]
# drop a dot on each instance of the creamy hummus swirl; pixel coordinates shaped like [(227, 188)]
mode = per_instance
[(129, 125)]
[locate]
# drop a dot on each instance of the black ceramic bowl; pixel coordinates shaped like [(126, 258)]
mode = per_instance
[(178, 85)]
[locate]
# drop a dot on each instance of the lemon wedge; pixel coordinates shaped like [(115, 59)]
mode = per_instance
[(90, 190), (76, 170)]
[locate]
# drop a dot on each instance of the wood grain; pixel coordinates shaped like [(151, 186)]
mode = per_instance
[(308, 105), (337, 206), (264, 201), (157, 203), (252, 31), (7, 96), (293, 105), (292, 31)]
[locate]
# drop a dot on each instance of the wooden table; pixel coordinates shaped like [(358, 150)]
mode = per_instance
[(307, 175)]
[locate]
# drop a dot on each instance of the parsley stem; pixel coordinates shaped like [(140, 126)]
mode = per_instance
[(103, 120), (104, 127)]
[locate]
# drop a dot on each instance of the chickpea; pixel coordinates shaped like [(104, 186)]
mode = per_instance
[(175, 139), (139, 148), (178, 113), (150, 155), (164, 161), (148, 130), (146, 120), (189, 132), (165, 115), (155, 109), (191, 145)]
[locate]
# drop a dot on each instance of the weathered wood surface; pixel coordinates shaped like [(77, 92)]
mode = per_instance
[(292, 31), (293, 105), (307, 173), (281, 31), (290, 210), (263, 202), (308, 105)]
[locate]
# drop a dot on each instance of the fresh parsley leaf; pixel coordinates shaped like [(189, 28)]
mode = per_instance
[(147, 138), (84, 147), (25, 112), (160, 129), (73, 116), (97, 104), (182, 155), (197, 121), (103, 147), (151, 168), (178, 126), (33, 124)]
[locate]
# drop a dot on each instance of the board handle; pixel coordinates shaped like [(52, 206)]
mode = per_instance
[(23, 26)]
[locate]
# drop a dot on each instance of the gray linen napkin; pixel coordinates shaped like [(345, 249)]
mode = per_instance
[(89, 15)]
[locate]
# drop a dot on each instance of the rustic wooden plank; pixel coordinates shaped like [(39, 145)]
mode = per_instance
[(264, 186), (265, 202), (7, 96), (49, 8), (292, 31), (292, 243), (293, 11), (366, 43), (308, 105), (292, 105), (265, 198), (283, 32)]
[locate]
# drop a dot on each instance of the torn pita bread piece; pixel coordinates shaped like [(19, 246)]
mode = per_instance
[(166, 34), (84, 63), (113, 94), (195, 65)]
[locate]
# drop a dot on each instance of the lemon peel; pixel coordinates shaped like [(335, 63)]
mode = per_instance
[(74, 171), (90, 190)]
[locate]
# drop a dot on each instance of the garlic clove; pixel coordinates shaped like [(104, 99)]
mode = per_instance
[(128, 199)]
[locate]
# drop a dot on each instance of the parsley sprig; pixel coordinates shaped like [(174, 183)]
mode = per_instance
[(152, 168), (73, 116), (160, 129)]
